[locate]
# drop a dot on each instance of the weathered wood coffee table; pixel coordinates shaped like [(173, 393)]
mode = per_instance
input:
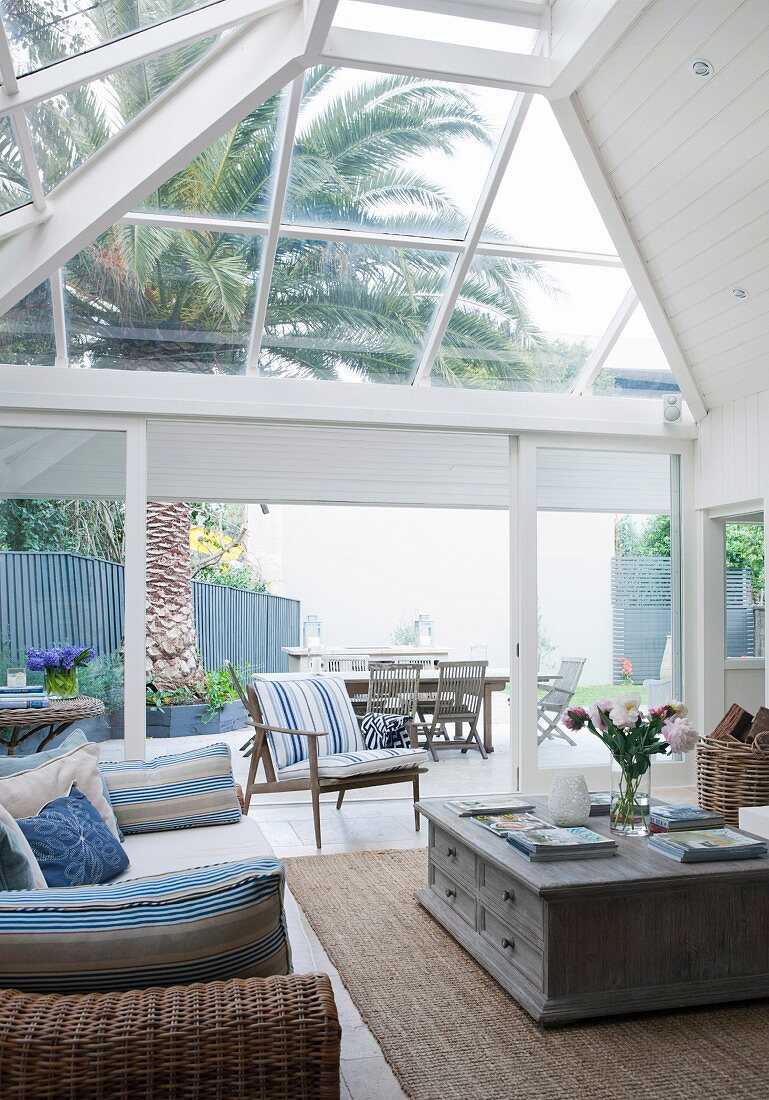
[(597, 937)]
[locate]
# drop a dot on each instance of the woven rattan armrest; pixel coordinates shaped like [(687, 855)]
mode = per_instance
[(241, 1039)]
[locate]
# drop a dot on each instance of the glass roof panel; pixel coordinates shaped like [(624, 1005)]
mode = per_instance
[(522, 325), (13, 185), (636, 366), (350, 312), (543, 201), (148, 298), (232, 178), (434, 26), (397, 154), (67, 129), (26, 330), (42, 32)]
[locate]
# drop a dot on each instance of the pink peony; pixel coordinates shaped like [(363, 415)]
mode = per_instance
[(575, 718), (660, 712), (680, 734), (603, 706)]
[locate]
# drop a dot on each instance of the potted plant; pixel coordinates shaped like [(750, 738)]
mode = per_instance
[(633, 737), (181, 712)]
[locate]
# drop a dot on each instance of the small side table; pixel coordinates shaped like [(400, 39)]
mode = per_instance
[(17, 726)]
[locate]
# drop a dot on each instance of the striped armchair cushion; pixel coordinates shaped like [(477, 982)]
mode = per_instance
[(207, 924), (314, 703), (174, 792)]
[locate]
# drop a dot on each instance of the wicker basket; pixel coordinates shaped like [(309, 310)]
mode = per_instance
[(731, 774)]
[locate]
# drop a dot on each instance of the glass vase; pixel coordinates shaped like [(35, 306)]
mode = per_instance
[(630, 798), (61, 682)]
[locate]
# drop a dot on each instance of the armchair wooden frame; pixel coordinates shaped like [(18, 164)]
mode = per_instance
[(258, 749)]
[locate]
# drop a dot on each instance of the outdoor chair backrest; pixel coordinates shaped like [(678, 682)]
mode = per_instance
[(420, 662), (342, 662), (460, 689), (566, 681), (393, 688)]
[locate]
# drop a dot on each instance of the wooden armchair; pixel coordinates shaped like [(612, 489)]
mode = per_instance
[(320, 760)]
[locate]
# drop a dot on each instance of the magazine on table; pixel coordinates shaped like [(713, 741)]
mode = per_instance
[(669, 819), (497, 804), (24, 702), (504, 824), (701, 845), (545, 842), (28, 689), (600, 803)]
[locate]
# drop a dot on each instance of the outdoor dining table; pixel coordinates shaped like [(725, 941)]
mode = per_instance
[(17, 726), (497, 679)]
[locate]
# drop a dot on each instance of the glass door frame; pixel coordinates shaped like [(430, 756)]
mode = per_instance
[(524, 546)]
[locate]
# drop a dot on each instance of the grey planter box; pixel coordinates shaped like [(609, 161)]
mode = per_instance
[(186, 721)]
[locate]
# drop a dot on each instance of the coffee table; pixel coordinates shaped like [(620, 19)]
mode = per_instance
[(598, 937)]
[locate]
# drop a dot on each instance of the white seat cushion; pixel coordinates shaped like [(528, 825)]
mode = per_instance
[(161, 853), (364, 762)]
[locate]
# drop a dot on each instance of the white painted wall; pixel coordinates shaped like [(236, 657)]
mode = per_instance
[(574, 589), (362, 570)]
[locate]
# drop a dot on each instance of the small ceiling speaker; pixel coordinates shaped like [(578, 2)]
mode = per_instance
[(672, 407)]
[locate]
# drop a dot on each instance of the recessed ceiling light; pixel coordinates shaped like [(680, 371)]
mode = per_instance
[(739, 292), (701, 67)]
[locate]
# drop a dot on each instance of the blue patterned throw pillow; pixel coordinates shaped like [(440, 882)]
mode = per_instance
[(72, 844), (385, 731)]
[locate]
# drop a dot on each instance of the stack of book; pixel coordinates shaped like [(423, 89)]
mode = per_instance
[(543, 842), (23, 698), (701, 845), (491, 804), (671, 819), (600, 803)]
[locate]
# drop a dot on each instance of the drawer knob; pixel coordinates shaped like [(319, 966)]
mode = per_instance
[(450, 893), (508, 943), (508, 895), (452, 852)]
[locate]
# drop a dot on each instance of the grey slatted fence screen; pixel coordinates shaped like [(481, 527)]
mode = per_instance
[(740, 619), (46, 599)]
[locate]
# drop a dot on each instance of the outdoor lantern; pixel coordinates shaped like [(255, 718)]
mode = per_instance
[(311, 632), (423, 630)]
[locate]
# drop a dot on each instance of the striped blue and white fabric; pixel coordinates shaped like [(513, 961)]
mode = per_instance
[(205, 924), (174, 792), (362, 762), (314, 703)]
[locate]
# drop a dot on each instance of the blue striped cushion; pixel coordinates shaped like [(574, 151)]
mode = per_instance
[(363, 762), (205, 924), (318, 703), (174, 792)]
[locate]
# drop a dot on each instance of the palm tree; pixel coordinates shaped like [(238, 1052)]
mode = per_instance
[(177, 299)]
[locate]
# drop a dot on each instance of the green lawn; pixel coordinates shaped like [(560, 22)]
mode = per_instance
[(591, 693)]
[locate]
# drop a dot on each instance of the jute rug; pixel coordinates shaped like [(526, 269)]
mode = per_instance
[(451, 1033)]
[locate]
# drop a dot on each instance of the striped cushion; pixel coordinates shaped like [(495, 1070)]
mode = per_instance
[(318, 703), (174, 792), (206, 924), (364, 762)]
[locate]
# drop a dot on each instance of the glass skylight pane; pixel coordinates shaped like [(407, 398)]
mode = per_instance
[(392, 153), (42, 32), (636, 366), (521, 325), (13, 185), (543, 201), (148, 298), (434, 26), (232, 178), (26, 330), (67, 129), (350, 312)]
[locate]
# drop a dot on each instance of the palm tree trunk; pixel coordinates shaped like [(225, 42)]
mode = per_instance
[(172, 656)]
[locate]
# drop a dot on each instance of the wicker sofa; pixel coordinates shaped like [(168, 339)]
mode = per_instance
[(240, 1039)]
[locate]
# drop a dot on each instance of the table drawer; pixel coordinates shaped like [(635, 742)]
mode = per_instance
[(452, 855), (511, 901), (512, 945), (452, 894)]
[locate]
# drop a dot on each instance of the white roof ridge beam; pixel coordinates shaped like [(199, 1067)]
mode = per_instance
[(583, 34), (478, 222), (588, 158), (142, 45), (15, 221), (517, 13), (318, 17), (289, 119), (205, 103), (603, 349), (390, 53)]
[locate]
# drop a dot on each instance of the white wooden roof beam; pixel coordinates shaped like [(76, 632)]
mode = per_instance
[(20, 125), (232, 79), (516, 13), (603, 349), (59, 318), (282, 167), (478, 222), (588, 159), (143, 45), (582, 34)]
